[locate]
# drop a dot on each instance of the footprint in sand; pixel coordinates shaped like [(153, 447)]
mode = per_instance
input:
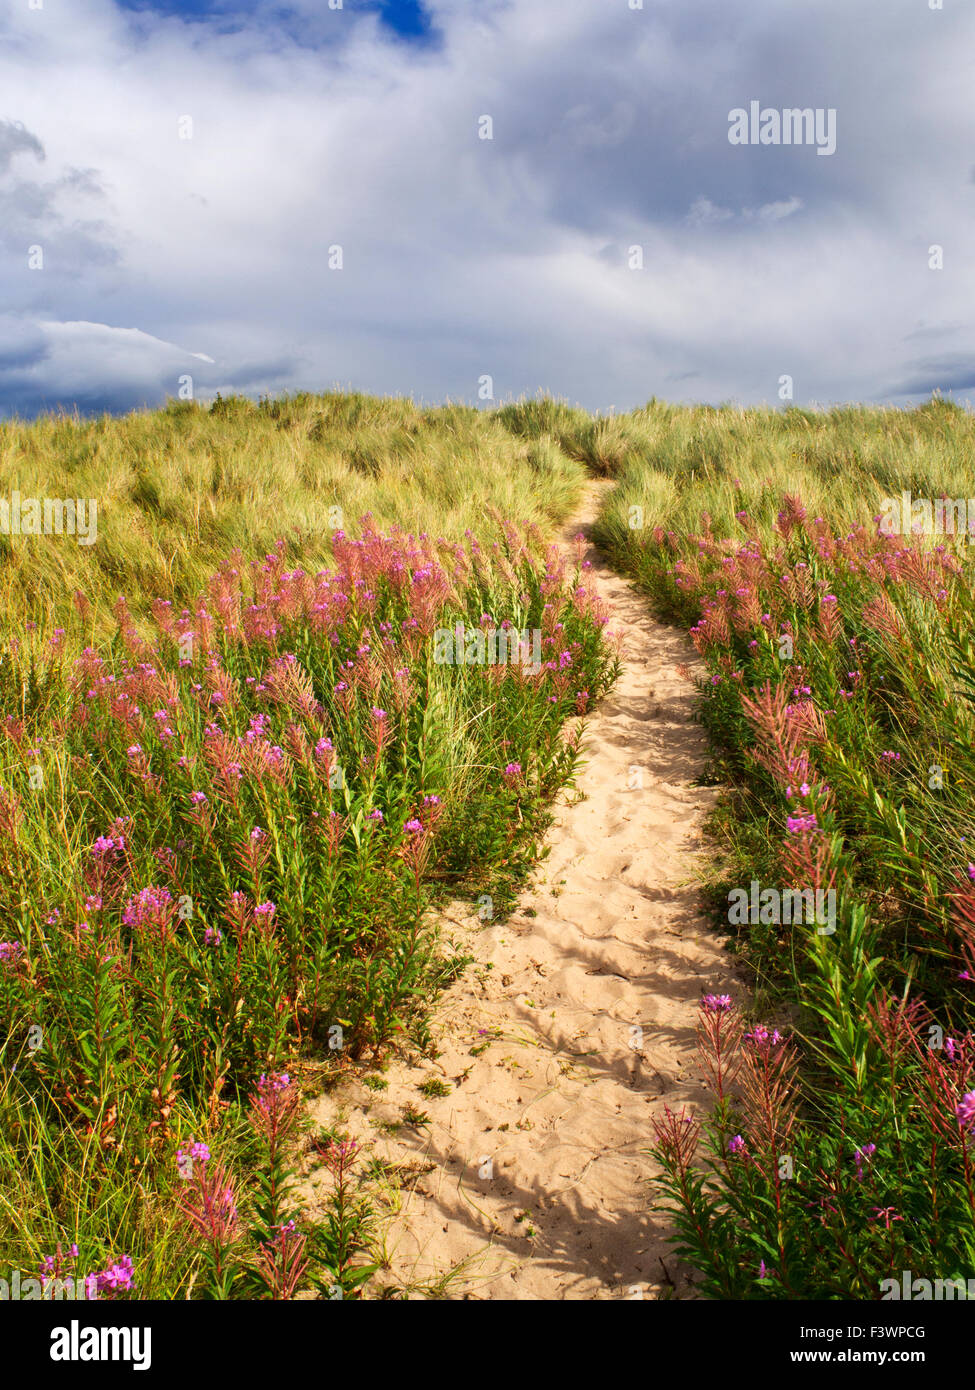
[(534, 1167)]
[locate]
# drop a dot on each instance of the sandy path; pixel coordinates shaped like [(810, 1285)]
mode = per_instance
[(530, 1180)]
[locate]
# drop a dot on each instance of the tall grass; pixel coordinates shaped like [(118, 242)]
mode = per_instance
[(840, 668), (230, 803), (177, 489), (230, 799), (843, 462)]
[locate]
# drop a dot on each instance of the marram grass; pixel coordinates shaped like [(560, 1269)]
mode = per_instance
[(235, 781)]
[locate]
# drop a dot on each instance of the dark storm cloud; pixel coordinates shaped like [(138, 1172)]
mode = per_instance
[(607, 244)]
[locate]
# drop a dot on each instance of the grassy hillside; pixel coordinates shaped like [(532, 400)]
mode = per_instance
[(839, 701), (235, 778), (178, 489), (672, 460)]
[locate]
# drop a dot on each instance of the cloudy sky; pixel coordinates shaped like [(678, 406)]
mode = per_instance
[(177, 175)]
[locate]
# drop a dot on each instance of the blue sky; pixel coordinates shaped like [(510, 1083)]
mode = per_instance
[(409, 19), (180, 181)]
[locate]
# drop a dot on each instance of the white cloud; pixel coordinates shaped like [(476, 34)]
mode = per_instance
[(88, 362), (703, 213), (776, 212), (462, 256)]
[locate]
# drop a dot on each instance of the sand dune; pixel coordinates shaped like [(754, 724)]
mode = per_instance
[(531, 1180)]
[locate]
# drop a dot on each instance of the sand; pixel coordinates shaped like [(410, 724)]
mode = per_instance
[(531, 1179)]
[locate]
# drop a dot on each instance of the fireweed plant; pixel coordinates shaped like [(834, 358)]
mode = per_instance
[(222, 831), (840, 673), (176, 490)]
